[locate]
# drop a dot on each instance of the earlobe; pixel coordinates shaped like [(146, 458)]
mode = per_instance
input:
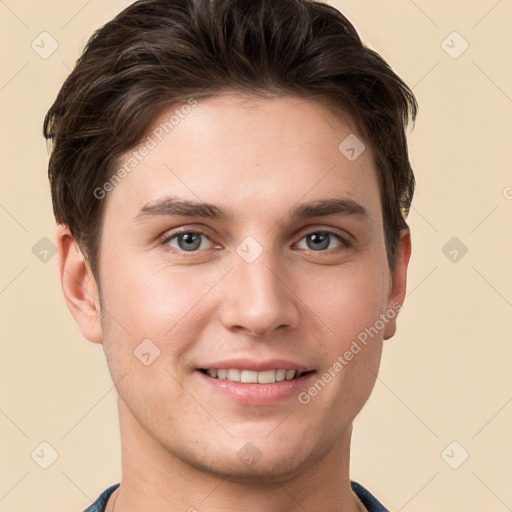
[(79, 286), (398, 283)]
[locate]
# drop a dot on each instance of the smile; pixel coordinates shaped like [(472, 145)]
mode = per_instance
[(251, 376)]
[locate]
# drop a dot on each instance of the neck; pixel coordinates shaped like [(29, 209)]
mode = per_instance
[(156, 479)]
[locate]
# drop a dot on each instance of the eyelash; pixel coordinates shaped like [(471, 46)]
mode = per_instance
[(345, 244)]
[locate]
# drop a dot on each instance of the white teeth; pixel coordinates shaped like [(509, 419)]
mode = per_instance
[(234, 375), (267, 377), (253, 377), (249, 376), (280, 375)]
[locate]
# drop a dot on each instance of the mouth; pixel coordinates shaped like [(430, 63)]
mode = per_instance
[(253, 377)]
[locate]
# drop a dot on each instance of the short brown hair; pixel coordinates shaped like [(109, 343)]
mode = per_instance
[(157, 53)]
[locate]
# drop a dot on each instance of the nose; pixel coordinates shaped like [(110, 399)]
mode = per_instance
[(258, 298)]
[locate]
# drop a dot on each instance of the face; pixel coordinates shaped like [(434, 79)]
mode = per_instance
[(244, 242)]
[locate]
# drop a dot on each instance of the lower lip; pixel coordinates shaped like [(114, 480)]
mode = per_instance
[(258, 394)]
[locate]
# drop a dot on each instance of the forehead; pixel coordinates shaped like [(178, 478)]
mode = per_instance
[(248, 153)]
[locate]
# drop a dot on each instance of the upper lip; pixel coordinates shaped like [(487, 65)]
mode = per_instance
[(258, 366)]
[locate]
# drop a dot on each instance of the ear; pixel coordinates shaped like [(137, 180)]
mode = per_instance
[(398, 286), (79, 286)]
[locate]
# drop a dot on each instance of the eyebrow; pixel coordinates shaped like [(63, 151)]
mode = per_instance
[(170, 206)]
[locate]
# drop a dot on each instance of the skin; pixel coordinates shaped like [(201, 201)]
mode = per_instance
[(257, 158)]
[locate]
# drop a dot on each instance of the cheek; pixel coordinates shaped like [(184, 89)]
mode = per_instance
[(351, 304), (153, 301), (348, 301), (139, 291), (149, 321)]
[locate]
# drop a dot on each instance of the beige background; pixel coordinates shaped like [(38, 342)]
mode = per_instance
[(445, 376)]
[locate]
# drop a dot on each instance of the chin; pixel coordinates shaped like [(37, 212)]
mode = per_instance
[(255, 459), (267, 469)]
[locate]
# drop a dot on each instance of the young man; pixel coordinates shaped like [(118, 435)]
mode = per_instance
[(230, 181)]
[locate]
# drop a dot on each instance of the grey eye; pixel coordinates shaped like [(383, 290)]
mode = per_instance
[(320, 240), (188, 241)]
